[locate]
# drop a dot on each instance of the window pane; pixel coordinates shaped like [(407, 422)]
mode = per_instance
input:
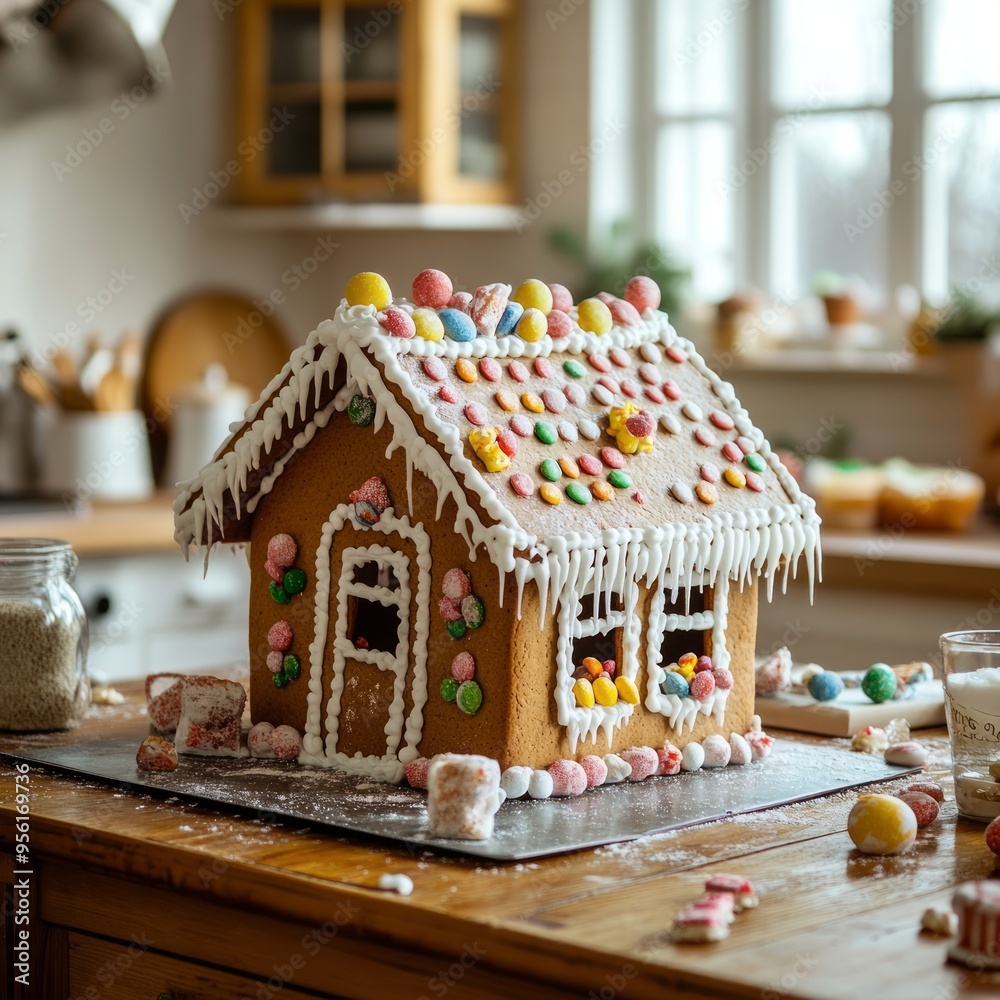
[(829, 193), (697, 55), (962, 197), (962, 56), (695, 208), (832, 52)]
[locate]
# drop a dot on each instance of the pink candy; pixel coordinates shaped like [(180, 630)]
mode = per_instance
[(462, 301), (434, 368), (650, 373), (760, 743), (609, 383), (448, 394), (449, 609), (595, 769), (282, 550), (612, 457), (654, 394), (620, 357), (397, 322), (590, 465), (476, 414), (416, 772), (560, 325), (491, 370), (275, 661), (669, 759), (723, 678), (562, 300), (710, 472), (671, 389), (704, 663), (754, 482), (543, 368), (463, 667), (931, 788), (280, 635), (554, 400), (721, 420), (993, 836), (732, 451), (258, 740), (704, 436), (456, 584), (600, 362), (640, 424), (522, 485), (568, 778), (623, 312), (574, 394), (274, 571), (285, 742), (644, 762), (702, 685), (521, 425), (432, 288), (643, 293), (676, 355), (518, 372)]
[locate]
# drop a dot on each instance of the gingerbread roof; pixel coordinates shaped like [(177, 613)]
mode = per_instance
[(702, 494)]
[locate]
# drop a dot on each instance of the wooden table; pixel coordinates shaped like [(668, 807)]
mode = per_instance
[(138, 897)]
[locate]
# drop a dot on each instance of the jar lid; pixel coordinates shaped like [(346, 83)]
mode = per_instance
[(36, 553)]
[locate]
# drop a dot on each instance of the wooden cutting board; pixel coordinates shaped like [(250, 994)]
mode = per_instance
[(851, 711)]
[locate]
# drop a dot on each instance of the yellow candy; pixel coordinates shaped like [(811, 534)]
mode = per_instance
[(428, 325), (466, 370), (882, 824), (687, 671), (569, 467), (532, 325), (602, 490), (368, 289), (583, 691), (627, 690), (593, 316), (617, 416), (532, 402), (734, 477), (687, 660), (592, 665), (605, 693), (550, 494), (506, 400), (484, 444), (534, 294)]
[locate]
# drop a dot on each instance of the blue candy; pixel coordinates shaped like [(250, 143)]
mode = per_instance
[(674, 683), (825, 686), (509, 318), (457, 325)]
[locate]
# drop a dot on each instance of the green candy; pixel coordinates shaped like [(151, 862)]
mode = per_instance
[(280, 680), (620, 480), (292, 666), (457, 629), (550, 469), (879, 682), (578, 493), (574, 369), (449, 688), (295, 581), (545, 432), (755, 462), (469, 697), (361, 410), (278, 593)]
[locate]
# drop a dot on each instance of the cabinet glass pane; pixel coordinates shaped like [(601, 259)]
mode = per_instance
[(371, 43), (296, 149), (832, 52), (480, 148), (371, 135), (294, 40), (961, 38)]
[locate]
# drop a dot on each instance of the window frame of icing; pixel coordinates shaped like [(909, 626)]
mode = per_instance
[(401, 745), (684, 711), (586, 723)]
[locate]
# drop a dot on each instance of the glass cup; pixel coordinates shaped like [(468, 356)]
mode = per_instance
[(972, 706)]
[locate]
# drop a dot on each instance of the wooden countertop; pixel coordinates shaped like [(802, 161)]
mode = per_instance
[(832, 922), (103, 528)]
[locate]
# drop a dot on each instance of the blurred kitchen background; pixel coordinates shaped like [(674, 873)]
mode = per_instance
[(187, 185)]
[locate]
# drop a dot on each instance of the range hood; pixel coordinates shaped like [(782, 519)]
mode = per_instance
[(60, 53)]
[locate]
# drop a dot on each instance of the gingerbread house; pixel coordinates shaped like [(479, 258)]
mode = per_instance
[(446, 535)]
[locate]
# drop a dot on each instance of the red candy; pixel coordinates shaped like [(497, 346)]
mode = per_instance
[(518, 372), (620, 357), (554, 400), (923, 806), (931, 788), (543, 368), (274, 571), (476, 414), (640, 424), (643, 293), (702, 685), (649, 373), (521, 425), (704, 436), (574, 394), (397, 322), (671, 389), (491, 370), (676, 355), (449, 609), (631, 388), (456, 584), (590, 465), (279, 636), (507, 441), (644, 762), (623, 313), (655, 395), (416, 772), (754, 482), (709, 472), (723, 678), (704, 663), (568, 778), (434, 368), (522, 485), (670, 760), (282, 550), (462, 301), (562, 300), (463, 667), (448, 394), (993, 836), (432, 288), (595, 769), (610, 384), (746, 445), (560, 325), (721, 420), (732, 451), (612, 457), (600, 362)]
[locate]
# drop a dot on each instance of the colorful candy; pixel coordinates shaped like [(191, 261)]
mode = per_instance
[(826, 686), (674, 683), (669, 758), (534, 294), (488, 306), (578, 493), (291, 665), (432, 288), (509, 319), (562, 300), (882, 824), (457, 325), (627, 691), (583, 692), (568, 778), (549, 468), (924, 807), (463, 667), (682, 492), (993, 835), (532, 325), (397, 323), (559, 324), (280, 635), (282, 550), (643, 293), (427, 325), (706, 493), (462, 301), (643, 761), (545, 432), (574, 369), (368, 289), (931, 788), (275, 661), (605, 692), (469, 697), (723, 678), (416, 772), (361, 410), (449, 689), (908, 754), (595, 769), (593, 316)]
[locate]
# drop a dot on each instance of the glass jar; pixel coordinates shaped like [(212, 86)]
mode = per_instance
[(43, 637), (972, 705)]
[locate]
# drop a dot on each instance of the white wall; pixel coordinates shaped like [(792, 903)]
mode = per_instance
[(64, 236)]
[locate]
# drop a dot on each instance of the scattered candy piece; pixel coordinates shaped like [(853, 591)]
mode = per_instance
[(540, 785), (924, 807), (701, 924), (291, 665), (643, 293), (432, 288), (258, 741), (931, 788), (534, 294), (506, 441), (476, 414), (522, 484), (397, 323), (743, 892), (515, 780), (457, 325), (775, 673), (462, 301), (760, 743), (717, 749), (721, 420), (882, 824), (574, 369), (622, 312), (294, 581), (755, 462), (871, 739), (595, 769), (368, 289), (593, 316), (755, 483), (909, 754), (457, 629), (670, 423), (732, 451), (398, 883), (735, 478), (939, 920), (618, 769), (682, 493), (156, 754), (506, 400), (545, 432), (826, 686), (555, 401), (704, 437), (286, 742), (643, 761), (568, 778), (427, 325), (579, 494), (879, 683), (692, 757), (550, 494), (488, 306), (274, 571), (449, 609), (278, 594), (434, 368), (669, 759), (456, 584), (416, 772), (723, 678), (466, 370), (462, 796)]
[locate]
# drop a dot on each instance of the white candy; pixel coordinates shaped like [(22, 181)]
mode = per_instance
[(603, 395), (670, 423), (567, 431), (740, 752), (651, 353), (692, 411), (907, 754), (540, 785), (462, 796), (515, 780), (400, 883), (682, 492), (692, 757), (618, 769), (716, 751), (897, 731), (257, 740), (589, 429)]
